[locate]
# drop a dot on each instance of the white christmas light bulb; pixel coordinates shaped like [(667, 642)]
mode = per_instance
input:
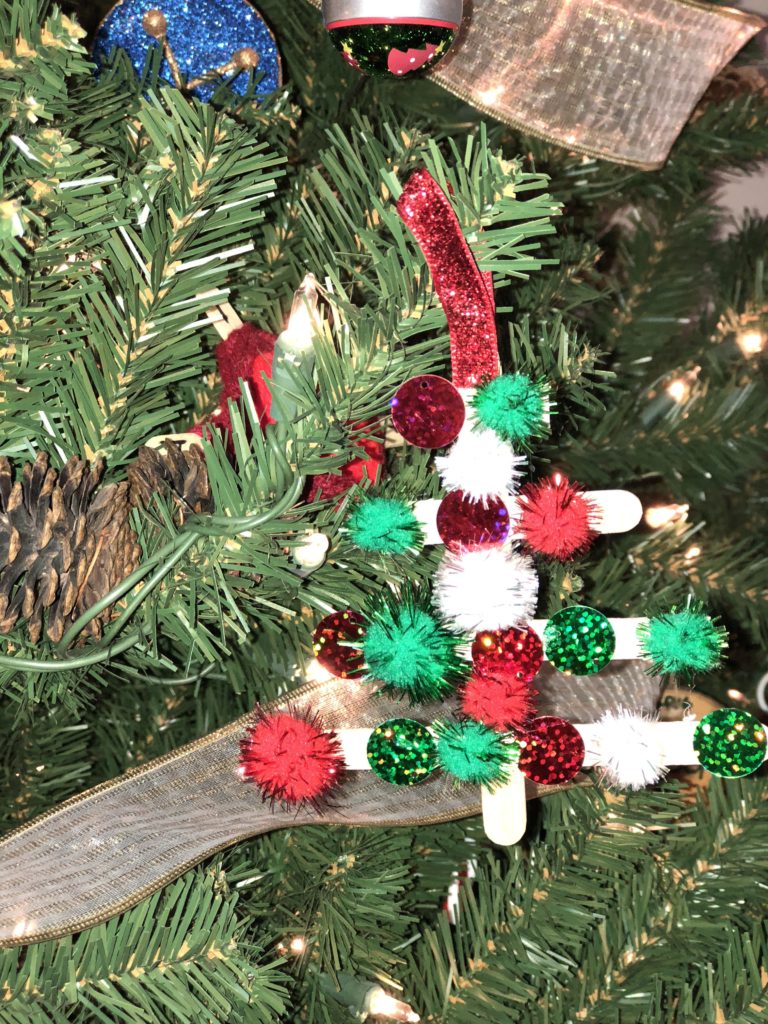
[(381, 1004)]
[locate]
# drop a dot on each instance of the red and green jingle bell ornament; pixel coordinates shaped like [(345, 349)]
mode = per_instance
[(392, 37)]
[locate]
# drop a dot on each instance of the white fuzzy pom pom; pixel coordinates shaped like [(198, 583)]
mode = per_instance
[(629, 753), (480, 464), (486, 589)]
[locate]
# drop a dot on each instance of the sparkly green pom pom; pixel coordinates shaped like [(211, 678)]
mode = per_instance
[(682, 641), (408, 648), (513, 406), (472, 752), (385, 524)]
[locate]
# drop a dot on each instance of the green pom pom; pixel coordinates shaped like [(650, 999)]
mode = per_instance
[(472, 752), (407, 648), (513, 405), (385, 524), (686, 641)]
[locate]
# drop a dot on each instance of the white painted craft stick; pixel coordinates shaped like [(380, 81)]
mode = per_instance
[(675, 740), (505, 810), (617, 512), (224, 318)]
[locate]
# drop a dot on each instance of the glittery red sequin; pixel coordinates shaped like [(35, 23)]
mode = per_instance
[(428, 411), (465, 523), (508, 652), (465, 293), (335, 644), (551, 751)]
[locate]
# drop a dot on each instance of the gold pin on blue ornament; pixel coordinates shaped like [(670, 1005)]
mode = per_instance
[(394, 38), (204, 44)]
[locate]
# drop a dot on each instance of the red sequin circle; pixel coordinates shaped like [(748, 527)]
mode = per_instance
[(551, 751), (463, 522), (428, 411), (335, 640), (508, 652)]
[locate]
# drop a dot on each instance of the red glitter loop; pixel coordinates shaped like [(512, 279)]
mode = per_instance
[(335, 644), (465, 293), (464, 523), (551, 751), (428, 411), (556, 519), (290, 757), (508, 652)]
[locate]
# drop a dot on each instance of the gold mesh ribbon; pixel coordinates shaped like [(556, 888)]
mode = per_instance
[(616, 79), (105, 850)]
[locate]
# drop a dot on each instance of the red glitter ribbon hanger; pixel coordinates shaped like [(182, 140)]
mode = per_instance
[(466, 293)]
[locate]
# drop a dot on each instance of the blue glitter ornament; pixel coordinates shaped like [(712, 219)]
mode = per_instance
[(203, 35)]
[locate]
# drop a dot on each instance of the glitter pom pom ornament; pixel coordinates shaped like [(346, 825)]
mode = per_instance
[(551, 751), (556, 519), (500, 702), (290, 757), (486, 589), (471, 752), (396, 38), (203, 43)]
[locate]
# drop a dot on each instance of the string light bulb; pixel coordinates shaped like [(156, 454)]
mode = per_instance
[(302, 323), (751, 341), (380, 1003), (298, 945), (659, 516), (679, 389), (693, 552)]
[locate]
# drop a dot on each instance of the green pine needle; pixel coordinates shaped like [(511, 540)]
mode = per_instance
[(513, 406), (407, 648), (685, 641), (385, 524), (472, 752)]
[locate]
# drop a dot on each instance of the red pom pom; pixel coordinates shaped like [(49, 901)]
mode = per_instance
[(500, 702), (367, 466), (290, 757), (556, 519)]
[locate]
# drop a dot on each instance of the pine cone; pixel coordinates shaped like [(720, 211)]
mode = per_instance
[(64, 544), (175, 470)]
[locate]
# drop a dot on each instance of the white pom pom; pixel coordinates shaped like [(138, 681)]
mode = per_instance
[(480, 464), (630, 753), (486, 589)]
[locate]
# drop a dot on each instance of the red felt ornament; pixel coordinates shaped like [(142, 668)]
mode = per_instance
[(246, 353), (556, 518), (290, 757), (551, 751), (500, 702), (508, 652)]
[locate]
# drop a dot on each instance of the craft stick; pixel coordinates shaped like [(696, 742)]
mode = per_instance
[(617, 512), (675, 740), (505, 809)]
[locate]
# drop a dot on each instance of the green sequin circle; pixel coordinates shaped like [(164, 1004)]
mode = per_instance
[(730, 743), (579, 641), (402, 751), (392, 50)]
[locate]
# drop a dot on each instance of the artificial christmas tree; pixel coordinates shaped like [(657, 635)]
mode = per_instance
[(131, 212)]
